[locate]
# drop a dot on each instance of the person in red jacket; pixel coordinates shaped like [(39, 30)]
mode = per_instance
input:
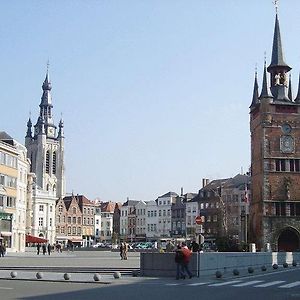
[(186, 259)]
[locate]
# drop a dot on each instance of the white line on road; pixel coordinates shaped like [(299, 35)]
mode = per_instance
[(247, 283), (225, 283), (5, 288), (197, 283), (289, 285), (270, 283)]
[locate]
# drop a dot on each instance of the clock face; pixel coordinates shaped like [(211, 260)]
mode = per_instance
[(286, 128), (287, 144), (50, 131)]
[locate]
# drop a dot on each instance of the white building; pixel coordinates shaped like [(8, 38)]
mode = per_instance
[(151, 220), (19, 221), (97, 224), (164, 204), (141, 216)]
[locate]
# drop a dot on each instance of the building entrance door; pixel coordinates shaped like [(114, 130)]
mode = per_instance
[(288, 240)]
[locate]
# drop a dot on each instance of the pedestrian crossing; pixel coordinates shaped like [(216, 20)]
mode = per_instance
[(282, 284)]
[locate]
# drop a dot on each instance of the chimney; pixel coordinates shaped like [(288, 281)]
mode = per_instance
[(205, 182), (181, 191)]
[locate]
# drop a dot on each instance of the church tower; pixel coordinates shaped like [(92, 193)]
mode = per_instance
[(275, 156), (45, 149)]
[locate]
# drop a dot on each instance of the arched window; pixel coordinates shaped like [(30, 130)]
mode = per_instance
[(54, 188), (48, 162), (47, 187), (54, 163)]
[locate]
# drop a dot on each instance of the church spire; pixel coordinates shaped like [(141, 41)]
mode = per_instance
[(255, 93), (265, 92), (46, 100)]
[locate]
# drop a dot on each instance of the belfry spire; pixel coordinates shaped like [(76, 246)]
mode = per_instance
[(255, 92), (278, 68), (265, 91)]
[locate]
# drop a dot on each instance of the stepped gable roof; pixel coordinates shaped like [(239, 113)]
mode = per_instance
[(81, 200)]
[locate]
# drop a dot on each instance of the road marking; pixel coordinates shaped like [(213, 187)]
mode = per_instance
[(289, 285), (270, 283), (247, 283), (225, 283), (172, 284), (5, 288), (197, 283)]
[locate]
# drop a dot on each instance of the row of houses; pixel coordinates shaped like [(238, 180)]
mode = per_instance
[(74, 218)]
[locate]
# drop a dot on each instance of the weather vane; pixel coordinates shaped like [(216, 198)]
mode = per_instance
[(275, 2), (48, 64)]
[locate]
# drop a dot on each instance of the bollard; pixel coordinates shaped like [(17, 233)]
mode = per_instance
[(97, 277), (294, 263), (117, 275), (39, 275), (218, 274), (250, 270), (264, 268), (275, 266), (236, 272), (13, 274), (67, 276), (285, 265)]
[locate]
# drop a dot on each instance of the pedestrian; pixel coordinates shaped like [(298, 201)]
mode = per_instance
[(49, 249), (179, 262), (125, 250), (38, 247), (121, 251), (186, 259), (2, 250), (44, 249)]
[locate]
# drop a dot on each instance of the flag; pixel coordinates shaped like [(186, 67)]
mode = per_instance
[(246, 196)]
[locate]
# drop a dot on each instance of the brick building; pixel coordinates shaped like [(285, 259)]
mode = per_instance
[(275, 156)]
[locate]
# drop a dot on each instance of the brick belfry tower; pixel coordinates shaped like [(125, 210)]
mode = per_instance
[(45, 149), (275, 156)]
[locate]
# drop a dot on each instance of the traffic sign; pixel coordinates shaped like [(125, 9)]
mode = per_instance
[(198, 220)]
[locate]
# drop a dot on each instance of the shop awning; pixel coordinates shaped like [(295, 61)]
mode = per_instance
[(35, 239)]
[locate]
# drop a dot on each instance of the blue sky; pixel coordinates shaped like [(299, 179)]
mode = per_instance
[(154, 94)]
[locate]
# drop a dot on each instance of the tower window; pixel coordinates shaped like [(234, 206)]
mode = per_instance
[(280, 165), (54, 163), (48, 162)]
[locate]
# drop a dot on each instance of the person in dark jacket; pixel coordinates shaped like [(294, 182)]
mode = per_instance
[(38, 247), (179, 262), (44, 249)]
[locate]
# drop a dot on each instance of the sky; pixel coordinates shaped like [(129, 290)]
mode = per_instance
[(154, 94)]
